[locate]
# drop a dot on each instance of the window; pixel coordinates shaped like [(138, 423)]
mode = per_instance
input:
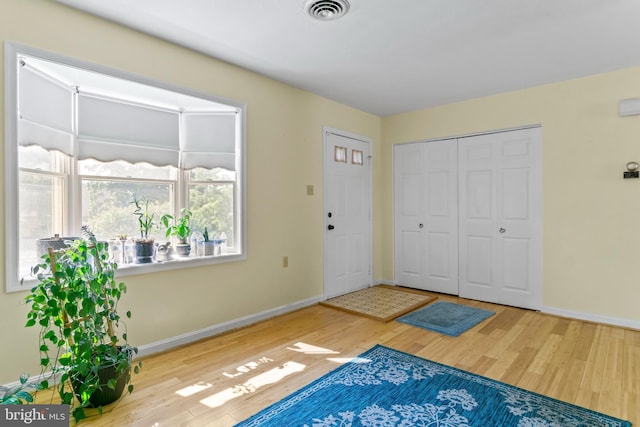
[(82, 141)]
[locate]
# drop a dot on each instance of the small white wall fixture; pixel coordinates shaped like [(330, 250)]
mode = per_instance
[(629, 107)]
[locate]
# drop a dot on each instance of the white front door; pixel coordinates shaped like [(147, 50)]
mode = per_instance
[(500, 218), (347, 213), (426, 216)]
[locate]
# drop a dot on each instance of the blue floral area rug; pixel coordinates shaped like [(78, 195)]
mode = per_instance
[(446, 318), (386, 388)]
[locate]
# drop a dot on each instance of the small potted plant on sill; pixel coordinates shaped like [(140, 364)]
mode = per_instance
[(179, 227), (144, 245), (209, 245), (82, 342)]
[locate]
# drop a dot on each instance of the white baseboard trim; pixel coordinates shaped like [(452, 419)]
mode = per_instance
[(589, 317), (189, 337)]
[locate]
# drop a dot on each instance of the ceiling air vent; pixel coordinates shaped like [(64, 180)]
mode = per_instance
[(327, 10)]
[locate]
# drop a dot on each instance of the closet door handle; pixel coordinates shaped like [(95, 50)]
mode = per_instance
[(421, 225), (502, 230)]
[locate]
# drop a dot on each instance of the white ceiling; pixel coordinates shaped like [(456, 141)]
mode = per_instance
[(393, 56)]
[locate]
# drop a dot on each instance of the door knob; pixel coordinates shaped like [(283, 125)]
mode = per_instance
[(330, 227), (502, 230), (420, 225)]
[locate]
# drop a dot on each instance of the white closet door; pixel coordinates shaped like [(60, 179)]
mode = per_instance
[(426, 217), (500, 224)]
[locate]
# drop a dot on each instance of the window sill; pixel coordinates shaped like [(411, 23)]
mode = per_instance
[(154, 267), (177, 263)]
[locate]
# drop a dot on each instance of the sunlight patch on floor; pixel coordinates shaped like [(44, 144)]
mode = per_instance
[(301, 347), (247, 367), (240, 370), (359, 359), (341, 360), (253, 384), (193, 389)]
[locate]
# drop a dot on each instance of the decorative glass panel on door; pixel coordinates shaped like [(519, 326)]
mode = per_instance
[(356, 157)]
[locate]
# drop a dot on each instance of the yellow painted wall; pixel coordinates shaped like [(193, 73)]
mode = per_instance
[(284, 145), (591, 216)]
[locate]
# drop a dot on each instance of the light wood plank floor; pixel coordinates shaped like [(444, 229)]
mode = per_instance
[(225, 379)]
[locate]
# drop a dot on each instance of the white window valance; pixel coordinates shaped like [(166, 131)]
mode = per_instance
[(209, 140), (45, 111), (111, 129), (58, 116), (33, 133)]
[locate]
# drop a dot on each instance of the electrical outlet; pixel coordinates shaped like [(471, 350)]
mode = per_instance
[(285, 261), (309, 190)]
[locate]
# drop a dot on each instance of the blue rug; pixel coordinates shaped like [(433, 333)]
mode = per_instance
[(446, 318), (385, 388)]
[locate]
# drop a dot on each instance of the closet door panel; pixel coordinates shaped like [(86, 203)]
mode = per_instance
[(515, 269), (439, 248), (412, 262), (409, 245), (500, 206), (477, 269), (425, 190)]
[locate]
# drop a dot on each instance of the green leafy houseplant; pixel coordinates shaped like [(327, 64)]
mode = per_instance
[(82, 341), (145, 218), (144, 245), (180, 228)]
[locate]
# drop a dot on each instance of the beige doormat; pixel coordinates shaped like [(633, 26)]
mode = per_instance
[(382, 302)]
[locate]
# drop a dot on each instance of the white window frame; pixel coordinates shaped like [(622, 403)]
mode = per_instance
[(12, 281)]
